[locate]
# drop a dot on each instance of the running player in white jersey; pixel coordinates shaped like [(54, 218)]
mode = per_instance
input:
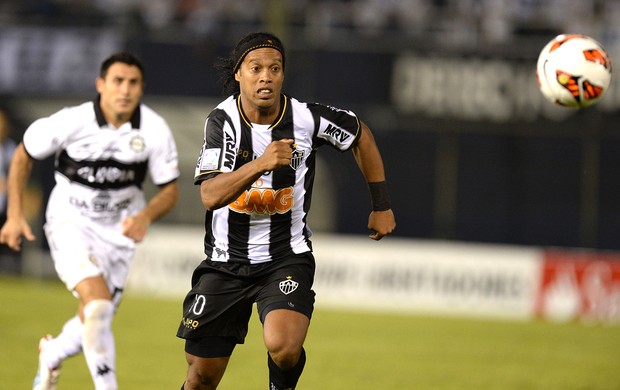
[(97, 211), (256, 171)]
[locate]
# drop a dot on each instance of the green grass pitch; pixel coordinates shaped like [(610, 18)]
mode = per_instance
[(346, 349)]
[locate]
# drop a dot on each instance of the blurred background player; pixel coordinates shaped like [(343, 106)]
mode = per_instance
[(7, 148), (97, 211), (256, 171)]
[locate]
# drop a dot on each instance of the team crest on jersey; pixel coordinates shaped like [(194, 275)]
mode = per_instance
[(137, 144), (93, 259), (298, 158), (289, 285)]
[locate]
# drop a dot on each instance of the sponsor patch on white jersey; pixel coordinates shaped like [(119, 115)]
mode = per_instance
[(210, 159), (334, 134)]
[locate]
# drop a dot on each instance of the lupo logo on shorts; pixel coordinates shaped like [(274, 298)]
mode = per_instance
[(288, 286)]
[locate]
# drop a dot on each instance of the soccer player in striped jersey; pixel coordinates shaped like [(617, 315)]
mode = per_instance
[(97, 211), (255, 171)]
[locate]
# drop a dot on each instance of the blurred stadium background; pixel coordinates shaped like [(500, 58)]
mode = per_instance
[(474, 155)]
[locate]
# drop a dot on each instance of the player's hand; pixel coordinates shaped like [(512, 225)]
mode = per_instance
[(277, 154), (381, 223), (136, 226), (13, 231)]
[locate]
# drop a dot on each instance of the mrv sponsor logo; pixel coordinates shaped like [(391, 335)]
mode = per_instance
[(337, 134)]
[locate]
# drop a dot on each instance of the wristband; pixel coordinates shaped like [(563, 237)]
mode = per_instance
[(379, 196)]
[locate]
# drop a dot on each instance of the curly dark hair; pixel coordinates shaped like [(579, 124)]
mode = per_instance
[(227, 66)]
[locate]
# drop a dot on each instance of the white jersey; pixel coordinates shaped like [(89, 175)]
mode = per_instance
[(100, 169), (268, 220)]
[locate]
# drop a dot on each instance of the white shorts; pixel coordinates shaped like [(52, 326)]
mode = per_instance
[(79, 252)]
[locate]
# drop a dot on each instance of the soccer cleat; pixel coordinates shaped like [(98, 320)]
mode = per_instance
[(46, 378)]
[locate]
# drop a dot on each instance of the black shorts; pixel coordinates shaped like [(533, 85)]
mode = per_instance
[(218, 308)]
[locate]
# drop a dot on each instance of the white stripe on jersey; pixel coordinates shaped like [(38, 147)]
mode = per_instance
[(268, 220)]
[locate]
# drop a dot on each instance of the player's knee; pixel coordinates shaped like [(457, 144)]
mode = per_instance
[(284, 334), (287, 356), (197, 382), (204, 374), (99, 310), (200, 380), (284, 351), (98, 316)]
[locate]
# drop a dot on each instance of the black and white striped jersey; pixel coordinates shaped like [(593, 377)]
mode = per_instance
[(268, 220), (100, 169)]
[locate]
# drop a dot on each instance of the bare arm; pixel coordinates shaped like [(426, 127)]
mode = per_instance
[(368, 157), (16, 225), (369, 160), (136, 226), (224, 188)]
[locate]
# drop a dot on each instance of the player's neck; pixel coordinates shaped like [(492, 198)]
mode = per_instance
[(116, 120), (260, 115)]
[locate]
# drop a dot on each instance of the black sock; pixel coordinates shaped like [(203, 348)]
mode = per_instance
[(284, 380)]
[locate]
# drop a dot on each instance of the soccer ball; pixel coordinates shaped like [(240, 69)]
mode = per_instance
[(573, 70)]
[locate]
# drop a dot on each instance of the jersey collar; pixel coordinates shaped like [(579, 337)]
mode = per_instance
[(135, 117), (283, 105)]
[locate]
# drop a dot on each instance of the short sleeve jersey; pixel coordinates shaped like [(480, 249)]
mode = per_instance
[(268, 220), (100, 169)]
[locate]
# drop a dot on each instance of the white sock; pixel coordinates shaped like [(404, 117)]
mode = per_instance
[(68, 343), (98, 343)]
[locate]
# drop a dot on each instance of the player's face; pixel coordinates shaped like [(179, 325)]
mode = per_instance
[(121, 91), (260, 79)]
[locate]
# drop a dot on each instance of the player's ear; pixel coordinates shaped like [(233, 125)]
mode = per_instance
[(99, 83), (237, 77)]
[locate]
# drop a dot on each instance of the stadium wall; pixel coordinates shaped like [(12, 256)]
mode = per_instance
[(419, 276)]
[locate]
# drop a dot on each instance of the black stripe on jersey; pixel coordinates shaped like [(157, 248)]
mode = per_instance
[(98, 113), (282, 114), (347, 121), (239, 223), (308, 184), (280, 233), (102, 174), (214, 136), (214, 128), (217, 138)]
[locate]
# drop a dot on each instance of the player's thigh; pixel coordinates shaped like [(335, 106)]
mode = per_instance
[(81, 255), (219, 306), (285, 303), (285, 331), (288, 285), (92, 288), (71, 252)]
